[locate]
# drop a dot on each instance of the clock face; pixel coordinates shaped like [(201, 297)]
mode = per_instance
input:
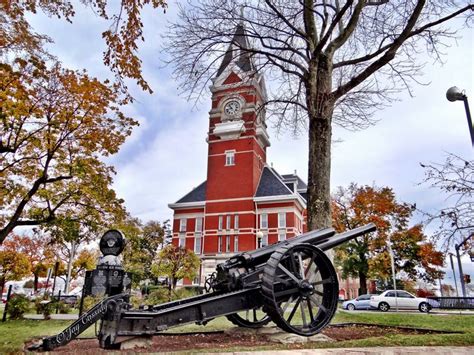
[(232, 108)]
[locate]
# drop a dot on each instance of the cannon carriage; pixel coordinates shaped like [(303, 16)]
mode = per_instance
[(292, 283)]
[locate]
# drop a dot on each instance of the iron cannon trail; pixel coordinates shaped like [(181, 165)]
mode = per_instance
[(293, 282)]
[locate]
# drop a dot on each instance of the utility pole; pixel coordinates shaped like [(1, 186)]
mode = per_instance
[(454, 274)]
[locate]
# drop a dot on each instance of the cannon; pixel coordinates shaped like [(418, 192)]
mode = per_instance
[(292, 283)]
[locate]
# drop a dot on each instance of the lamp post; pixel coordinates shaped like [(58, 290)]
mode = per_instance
[(394, 275), (454, 274), (456, 94), (461, 275)]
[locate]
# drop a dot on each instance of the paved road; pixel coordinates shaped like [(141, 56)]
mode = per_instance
[(415, 350)]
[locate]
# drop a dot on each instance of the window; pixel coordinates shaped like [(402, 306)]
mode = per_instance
[(219, 244), (182, 225), (281, 220), (229, 157), (197, 244), (263, 221), (281, 236), (227, 244), (198, 224), (236, 222), (390, 294), (227, 223), (221, 219), (236, 243), (196, 280), (182, 240), (403, 294)]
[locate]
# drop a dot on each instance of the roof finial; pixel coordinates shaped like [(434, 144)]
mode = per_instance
[(242, 14)]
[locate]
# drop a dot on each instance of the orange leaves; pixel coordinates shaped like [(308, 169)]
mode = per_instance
[(355, 206), (57, 125), (126, 30)]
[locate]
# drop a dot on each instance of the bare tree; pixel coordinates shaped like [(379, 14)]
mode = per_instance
[(455, 178), (329, 61)]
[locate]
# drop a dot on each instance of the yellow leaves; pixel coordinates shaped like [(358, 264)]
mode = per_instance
[(57, 126), (126, 29)]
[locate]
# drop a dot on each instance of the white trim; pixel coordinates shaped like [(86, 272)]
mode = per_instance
[(282, 209), (187, 204), (241, 137), (178, 215), (233, 150), (239, 212)]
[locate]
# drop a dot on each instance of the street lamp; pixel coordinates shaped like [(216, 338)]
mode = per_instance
[(394, 275), (461, 275), (456, 94)]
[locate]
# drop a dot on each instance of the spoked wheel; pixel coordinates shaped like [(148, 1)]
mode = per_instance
[(300, 289), (251, 318)]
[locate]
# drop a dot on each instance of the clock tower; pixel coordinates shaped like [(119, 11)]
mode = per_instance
[(237, 135), (244, 204)]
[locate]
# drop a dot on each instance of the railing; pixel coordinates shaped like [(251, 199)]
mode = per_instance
[(451, 302)]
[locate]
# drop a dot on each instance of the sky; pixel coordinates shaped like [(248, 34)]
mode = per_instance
[(165, 157)]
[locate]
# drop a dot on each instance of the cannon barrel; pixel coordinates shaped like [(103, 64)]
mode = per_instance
[(346, 236), (324, 239), (260, 256)]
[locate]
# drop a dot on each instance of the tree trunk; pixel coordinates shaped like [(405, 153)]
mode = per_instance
[(69, 267), (321, 107), (35, 282), (363, 283)]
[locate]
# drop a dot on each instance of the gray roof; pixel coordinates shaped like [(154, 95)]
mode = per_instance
[(237, 52), (196, 195), (301, 184), (271, 184), (304, 195)]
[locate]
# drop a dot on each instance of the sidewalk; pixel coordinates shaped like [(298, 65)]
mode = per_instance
[(53, 316)]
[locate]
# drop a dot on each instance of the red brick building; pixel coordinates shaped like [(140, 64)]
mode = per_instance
[(244, 203)]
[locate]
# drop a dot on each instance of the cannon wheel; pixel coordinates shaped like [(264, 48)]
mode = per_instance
[(249, 319), (300, 289)]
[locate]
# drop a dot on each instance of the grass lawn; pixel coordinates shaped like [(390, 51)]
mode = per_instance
[(13, 334)]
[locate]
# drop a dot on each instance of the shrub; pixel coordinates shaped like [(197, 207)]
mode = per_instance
[(90, 301), (45, 307), (157, 296), (17, 306), (184, 292)]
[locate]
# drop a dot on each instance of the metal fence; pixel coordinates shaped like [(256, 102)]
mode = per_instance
[(451, 302)]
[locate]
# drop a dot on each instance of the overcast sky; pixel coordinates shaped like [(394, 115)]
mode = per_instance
[(166, 156)]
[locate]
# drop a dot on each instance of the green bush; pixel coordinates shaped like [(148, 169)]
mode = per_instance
[(17, 306), (62, 307), (136, 301), (184, 292), (45, 307), (90, 301), (157, 296)]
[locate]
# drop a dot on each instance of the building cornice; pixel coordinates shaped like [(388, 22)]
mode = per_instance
[(281, 198), (186, 204)]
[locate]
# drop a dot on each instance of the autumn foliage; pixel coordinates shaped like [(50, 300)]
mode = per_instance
[(57, 125), (368, 256), (124, 32)]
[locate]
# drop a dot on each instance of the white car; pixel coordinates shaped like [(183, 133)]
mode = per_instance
[(402, 299)]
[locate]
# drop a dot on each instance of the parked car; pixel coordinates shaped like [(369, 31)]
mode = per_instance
[(361, 302), (402, 299)]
